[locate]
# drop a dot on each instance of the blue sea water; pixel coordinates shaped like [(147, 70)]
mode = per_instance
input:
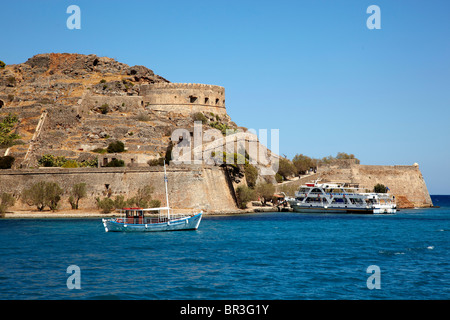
[(253, 256)]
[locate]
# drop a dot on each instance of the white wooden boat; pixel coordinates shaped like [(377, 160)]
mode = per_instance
[(152, 219)]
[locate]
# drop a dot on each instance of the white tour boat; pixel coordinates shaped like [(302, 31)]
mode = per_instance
[(339, 198), (152, 219)]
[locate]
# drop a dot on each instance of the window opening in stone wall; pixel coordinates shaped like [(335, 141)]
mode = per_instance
[(206, 100), (192, 99), (217, 101), (1, 104)]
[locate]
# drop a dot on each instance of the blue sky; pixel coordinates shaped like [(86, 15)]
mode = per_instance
[(310, 68)]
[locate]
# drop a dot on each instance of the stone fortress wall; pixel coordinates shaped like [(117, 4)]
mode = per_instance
[(190, 187), (185, 98)]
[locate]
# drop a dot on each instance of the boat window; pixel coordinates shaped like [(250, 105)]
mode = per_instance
[(316, 190)]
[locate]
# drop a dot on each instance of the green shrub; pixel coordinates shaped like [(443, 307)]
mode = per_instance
[(143, 199), (156, 162), (198, 116), (143, 196), (6, 200), (106, 205), (53, 194), (115, 147), (286, 168), (48, 160), (116, 163), (78, 192), (223, 127), (93, 163), (2, 64), (265, 191), (244, 195), (234, 158), (6, 125), (6, 162), (99, 150), (155, 203), (303, 163), (120, 202), (42, 194), (70, 164), (72, 202), (104, 108), (380, 188), (251, 175), (278, 177)]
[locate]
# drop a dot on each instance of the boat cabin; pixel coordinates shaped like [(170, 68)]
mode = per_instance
[(142, 216), (134, 215)]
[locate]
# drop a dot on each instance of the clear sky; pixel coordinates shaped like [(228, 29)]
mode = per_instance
[(310, 68)]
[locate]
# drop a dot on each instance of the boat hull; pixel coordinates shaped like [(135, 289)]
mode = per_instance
[(305, 209), (186, 223)]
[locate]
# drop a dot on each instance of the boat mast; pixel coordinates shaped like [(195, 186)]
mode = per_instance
[(167, 195)]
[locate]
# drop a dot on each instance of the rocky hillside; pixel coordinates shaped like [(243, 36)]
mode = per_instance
[(49, 94)]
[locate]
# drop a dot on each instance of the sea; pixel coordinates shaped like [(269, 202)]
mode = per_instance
[(257, 256)]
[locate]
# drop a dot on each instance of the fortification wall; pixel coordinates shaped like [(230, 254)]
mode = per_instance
[(184, 97), (405, 182), (194, 187)]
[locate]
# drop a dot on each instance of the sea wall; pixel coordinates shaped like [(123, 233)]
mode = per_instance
[(405, 182), (190, 187)]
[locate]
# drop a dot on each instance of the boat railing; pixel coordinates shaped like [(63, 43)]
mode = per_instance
[(153, 215)]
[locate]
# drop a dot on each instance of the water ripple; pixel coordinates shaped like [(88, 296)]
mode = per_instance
[(261, 256)]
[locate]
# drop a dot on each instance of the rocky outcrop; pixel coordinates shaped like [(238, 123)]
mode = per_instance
[(90, 101)]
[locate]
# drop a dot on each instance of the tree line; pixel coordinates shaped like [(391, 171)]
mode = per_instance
[(46, 194), (301, 164)]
